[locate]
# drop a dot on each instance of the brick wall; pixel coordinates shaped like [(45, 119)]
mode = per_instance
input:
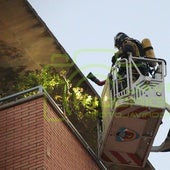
[(62, 148), (32, 136), (21, 136)]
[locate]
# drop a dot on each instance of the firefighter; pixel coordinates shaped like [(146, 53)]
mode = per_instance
[(125, 46)]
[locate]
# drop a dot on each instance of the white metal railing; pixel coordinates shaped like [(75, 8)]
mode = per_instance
[(122, 84), (118, 81)]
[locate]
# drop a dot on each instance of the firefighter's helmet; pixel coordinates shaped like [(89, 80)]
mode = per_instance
[(119, 38)]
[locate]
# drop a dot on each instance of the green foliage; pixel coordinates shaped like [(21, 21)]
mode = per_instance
[(72, 99)]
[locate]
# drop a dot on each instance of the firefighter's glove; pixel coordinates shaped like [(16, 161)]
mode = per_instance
[(114, 58)]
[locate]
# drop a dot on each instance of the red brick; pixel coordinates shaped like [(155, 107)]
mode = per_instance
[(28, 140)]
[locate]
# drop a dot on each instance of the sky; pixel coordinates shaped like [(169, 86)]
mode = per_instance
[(86, 30)]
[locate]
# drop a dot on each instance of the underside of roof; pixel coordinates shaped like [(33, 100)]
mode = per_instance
[(26, 43)]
